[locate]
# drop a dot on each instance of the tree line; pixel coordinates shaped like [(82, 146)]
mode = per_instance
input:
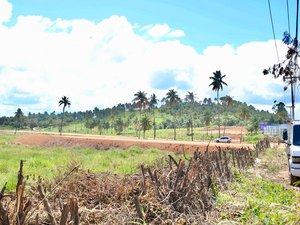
[(144, 113)]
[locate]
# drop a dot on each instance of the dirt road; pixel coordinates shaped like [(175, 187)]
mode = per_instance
[(109, 142)]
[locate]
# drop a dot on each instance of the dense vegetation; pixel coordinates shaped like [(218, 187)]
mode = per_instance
[(143, 114)]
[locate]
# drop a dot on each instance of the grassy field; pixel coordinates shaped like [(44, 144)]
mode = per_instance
[(51, 162), (181, 133)]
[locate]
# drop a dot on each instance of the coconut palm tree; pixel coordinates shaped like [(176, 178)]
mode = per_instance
[(171, 100), (145, 124), (190, 97), (19, 119), (141, 102), (217, 85), (64, 101), (152, 104)]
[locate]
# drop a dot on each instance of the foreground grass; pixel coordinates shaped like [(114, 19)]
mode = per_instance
[(49, 163), (256, 199)]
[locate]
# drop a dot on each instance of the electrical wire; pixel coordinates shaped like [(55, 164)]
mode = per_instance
[(271, 17)]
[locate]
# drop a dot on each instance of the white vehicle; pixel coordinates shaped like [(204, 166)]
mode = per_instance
[(223, 139), (292, 140)]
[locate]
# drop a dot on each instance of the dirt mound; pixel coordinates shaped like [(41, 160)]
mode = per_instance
[(105, 143)]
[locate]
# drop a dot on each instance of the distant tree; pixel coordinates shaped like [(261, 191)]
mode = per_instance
[(145, 124), (172, 99), (217, 85), (281, 113), (64, 101), (228, 102), (152, 104), (141, 101), (254, 125), (33, 122), (244, 114), (190, 97), (90, 124), (19, 119), (119, 126), (207, 118)]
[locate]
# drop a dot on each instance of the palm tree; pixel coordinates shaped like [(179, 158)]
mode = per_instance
[(152, 103), (244, 114), (217, 84), (190, 97), (171, 100), (141, 102), (145, 124), (64, 101), (19, 119)]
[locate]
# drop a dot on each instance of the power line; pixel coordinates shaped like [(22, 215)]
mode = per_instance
[(271, 17)]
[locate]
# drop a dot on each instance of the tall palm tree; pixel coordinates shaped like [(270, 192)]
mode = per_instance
[(171, 100), (152, 103), (190, 97), (217, 85), (64, 101), (141, 102), (19, 119)]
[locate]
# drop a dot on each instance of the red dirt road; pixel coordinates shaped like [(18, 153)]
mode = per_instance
[(109, 142)]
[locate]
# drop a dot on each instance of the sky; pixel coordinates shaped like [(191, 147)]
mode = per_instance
[(99, 53)]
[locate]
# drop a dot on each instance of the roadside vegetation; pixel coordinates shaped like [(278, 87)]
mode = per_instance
[(234, 188), (261, 195)]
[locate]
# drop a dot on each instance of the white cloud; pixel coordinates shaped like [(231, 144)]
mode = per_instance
[(5, 11), (103, 64), (162, 30)]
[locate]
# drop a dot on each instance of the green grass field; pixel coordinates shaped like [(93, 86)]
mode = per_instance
[(51, 162)]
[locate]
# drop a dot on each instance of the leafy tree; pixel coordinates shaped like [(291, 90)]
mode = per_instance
[(254, 125), (190, 97), (19, 119), (152, 104), (90, 123), (119, 126), (145, 124), (64, 101), (281, 113), (217, 85), (172, 99), (32, 123)]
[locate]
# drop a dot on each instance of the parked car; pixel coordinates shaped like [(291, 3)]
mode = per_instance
[(224, 139)]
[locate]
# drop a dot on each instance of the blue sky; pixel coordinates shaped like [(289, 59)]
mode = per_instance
[(99, 53), (205, 22)]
